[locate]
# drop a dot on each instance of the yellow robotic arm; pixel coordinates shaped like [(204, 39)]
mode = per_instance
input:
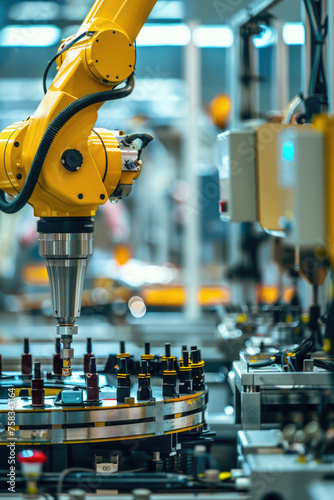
[(58, 163)]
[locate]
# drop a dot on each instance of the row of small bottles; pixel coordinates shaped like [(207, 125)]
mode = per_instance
[(190, 373), (189, 369)]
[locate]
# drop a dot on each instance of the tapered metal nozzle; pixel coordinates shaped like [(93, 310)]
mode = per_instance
[(66, 243), (67, 256)]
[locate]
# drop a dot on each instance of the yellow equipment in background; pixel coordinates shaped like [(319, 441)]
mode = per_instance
[(219, 110)]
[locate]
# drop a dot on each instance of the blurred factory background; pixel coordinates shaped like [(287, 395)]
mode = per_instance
[(168, 266)]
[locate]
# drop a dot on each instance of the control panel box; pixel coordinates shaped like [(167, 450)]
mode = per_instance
[(237, 174), (302, 172)]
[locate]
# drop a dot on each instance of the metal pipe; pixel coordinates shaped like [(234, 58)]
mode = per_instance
[(191, 159)]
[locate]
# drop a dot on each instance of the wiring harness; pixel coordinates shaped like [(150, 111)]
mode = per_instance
[(293, 360)]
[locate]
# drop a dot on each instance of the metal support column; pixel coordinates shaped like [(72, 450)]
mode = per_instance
[(192, 257), (280, 88)]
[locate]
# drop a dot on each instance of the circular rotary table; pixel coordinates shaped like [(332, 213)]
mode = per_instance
[(108, 421)]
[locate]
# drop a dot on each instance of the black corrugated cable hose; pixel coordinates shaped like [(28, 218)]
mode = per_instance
[(52, 130), (326, 365), (144, 138), (301, 352), (299, 346)]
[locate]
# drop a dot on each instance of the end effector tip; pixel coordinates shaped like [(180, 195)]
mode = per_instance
[(66, 333)]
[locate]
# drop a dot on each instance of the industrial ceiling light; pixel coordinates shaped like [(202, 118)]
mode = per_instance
[(294, 33), (29, 36), (160, 35), (34, 11), (213, 36)]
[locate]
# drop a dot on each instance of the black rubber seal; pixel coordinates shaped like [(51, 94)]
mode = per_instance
[(49, 225)]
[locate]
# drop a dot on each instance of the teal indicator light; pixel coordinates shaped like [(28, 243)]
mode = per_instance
[(288, 151)]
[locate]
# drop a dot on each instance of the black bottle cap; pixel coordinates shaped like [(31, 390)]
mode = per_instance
[(196, 356), (122, 347), (147, 348), (167, 350), (89, 345), (26, 346), (185, 358)]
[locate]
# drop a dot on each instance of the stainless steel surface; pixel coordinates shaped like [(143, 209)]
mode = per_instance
[(251, 410), (273, 376), (283, 476), (256, 389), (65, 245), (67, 330), (66, 261), (67, 353), (253, 442)]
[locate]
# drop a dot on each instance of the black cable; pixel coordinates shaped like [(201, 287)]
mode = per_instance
[(68, 46), (304, 350), (300, 352), (326, 365), (52, 130), (302, 344)]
